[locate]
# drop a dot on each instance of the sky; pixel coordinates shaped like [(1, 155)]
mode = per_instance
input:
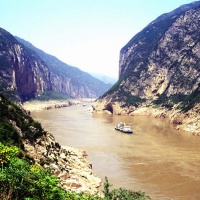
[(87, 34)]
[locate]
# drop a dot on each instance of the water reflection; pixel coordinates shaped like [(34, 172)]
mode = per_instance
[(158, 159)]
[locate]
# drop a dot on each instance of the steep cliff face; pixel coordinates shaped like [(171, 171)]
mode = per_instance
[(23, 75), (167, 66), (159, 65), (78, 85), (27, 72), (69, 80), (161, 60)]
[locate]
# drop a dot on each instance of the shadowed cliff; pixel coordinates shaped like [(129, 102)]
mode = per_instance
[(27, 73)]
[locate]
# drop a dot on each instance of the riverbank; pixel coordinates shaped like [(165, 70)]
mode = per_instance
[(51, 104), (187, 121), (68, 163)]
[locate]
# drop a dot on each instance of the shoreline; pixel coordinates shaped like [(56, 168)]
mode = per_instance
[(186, 121), (52, 104), (77, 175)]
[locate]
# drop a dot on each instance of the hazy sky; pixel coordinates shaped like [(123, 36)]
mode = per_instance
[(87, 34)]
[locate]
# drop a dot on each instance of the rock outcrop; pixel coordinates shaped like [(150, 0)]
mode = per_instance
[(39, 146), (67, 163), (23, 74), (160, 66)]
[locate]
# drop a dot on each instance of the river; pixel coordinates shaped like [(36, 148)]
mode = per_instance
[(156, 158)]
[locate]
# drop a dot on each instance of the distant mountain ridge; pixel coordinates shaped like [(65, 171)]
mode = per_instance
[(177, 11), (27, 72), (59, 67), (105, 79), (72, 81)]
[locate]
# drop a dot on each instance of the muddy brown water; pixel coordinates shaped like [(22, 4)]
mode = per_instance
[(156, 158)]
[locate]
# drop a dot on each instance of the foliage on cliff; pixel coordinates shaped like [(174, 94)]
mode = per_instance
[(184, 102), (16, 125), (21, 180)]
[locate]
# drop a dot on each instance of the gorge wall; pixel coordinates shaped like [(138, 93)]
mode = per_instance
[(23, 75), (172, 65), (160, 67), (27, 73)]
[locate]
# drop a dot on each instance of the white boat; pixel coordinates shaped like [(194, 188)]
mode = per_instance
[(123, 128)]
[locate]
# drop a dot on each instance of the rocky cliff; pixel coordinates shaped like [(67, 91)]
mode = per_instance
[(160, 66), (69, 80), (23, 74), (67, 163), (27, 72)]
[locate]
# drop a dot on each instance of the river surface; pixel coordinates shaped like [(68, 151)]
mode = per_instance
[(156, 158)]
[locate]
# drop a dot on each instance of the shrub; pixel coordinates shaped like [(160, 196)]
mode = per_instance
[(16, 124), (122, 194), (20, 180), (7, 153)]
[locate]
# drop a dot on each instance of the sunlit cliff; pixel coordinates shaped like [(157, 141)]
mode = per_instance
[(159, 68)]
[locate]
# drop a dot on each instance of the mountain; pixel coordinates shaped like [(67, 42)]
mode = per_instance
[(23, 74), (27, 72), (67, 79), (105, 79), (159, 66)]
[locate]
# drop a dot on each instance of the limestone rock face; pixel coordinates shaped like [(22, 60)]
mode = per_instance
[(170, 65), (69, 80), (69, 164), (160, 65), (27, 72), (22, 72), (65, 85)]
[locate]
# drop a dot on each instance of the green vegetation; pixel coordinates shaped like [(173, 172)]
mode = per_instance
[(186, 102), (122, 194), (21, 178), (15, 124), (52, 95), (132, 100)]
